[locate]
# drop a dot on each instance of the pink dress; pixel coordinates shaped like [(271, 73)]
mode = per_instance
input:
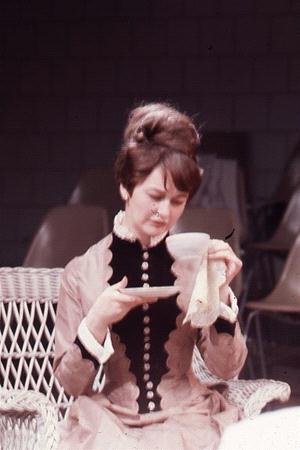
[(188, 415)]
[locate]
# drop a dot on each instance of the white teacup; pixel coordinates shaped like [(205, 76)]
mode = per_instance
[(203, 298), (185, 245)]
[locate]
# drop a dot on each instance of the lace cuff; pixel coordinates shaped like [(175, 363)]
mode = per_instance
[(101, 352)]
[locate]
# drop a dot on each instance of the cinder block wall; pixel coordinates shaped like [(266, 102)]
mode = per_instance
[(71, 69)]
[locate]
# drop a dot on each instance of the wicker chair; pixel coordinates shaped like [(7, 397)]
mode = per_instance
[(31, 399)]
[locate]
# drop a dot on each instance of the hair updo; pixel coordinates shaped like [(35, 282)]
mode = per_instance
[(157, 134)]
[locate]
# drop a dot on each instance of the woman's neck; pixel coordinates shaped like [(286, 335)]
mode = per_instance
[(123, 229)]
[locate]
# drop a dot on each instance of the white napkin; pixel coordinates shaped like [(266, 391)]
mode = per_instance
[(209, 289)]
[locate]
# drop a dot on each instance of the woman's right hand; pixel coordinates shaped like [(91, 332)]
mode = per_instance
[(110, 307)]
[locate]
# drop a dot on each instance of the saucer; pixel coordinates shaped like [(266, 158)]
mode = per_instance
[(150, 292)]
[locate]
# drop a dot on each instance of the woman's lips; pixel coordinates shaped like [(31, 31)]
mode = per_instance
[(158, 224)]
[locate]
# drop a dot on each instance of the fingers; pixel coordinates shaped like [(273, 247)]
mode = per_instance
[(151, 299), (228, 256), (233, 268), (121, 284), (137, 300), (217, 245), (129, 299), (117, 294), (224, 252)]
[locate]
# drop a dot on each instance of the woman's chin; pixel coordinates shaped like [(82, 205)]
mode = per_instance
[(157, 229)]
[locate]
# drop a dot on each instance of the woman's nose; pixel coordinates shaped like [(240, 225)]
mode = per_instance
[(164, 209)]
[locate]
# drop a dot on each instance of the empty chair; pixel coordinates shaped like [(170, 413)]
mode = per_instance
[(219, 223), (279, 244), (287, 230), (267, 215), (65, 232), (289, 181), (284, 298), (97, 187)]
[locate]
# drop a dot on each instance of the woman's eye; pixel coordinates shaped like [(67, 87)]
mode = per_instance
[(157, 198), (178, 202)]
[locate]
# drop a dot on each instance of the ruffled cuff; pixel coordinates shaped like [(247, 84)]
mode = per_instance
[(228, 312), (96, 351)]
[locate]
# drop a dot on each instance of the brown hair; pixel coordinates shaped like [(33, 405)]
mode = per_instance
[(158, 134)]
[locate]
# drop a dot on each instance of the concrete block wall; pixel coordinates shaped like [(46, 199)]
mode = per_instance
[(71, 69)]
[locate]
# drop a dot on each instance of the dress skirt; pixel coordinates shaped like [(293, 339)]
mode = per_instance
[(95, 423)]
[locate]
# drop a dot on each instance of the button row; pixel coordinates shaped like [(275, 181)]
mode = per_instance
[(146, 331)]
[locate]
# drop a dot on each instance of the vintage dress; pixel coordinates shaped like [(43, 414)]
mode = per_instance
[(151, 398)]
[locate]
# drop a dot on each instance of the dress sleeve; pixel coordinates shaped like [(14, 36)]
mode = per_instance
[(223, 349), (78, 361)]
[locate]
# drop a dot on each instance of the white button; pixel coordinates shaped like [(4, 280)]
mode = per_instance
[(145, 265), (147, 346), (146, 255), (145, 277), (146, 367), (146, 320), (146, 356), (146, 376), (150, 395), (149, 385), (147, 330), (145, 306), (151, 406), (146, 285)]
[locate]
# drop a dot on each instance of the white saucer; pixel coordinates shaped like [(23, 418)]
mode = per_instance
[(155, 291)]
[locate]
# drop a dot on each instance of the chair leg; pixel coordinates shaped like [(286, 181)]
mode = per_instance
[(244, 295), (249, 322), (262, 360), (250, 364), (260, 347)]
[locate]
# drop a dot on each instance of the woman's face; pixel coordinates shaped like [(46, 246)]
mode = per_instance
[(154, 206)]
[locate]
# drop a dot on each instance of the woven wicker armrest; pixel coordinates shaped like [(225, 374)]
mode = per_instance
[(27, 420), (251, 396)]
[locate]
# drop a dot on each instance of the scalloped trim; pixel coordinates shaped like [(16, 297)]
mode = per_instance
[(122, 387), (179, 383), (119, 363)]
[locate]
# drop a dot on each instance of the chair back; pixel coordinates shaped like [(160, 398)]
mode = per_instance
[(98, 187), (219, 223), (289, 227), (28, 299), (65, 232), (287, 290)]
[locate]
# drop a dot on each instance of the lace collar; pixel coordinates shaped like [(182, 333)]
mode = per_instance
[(124, 233)]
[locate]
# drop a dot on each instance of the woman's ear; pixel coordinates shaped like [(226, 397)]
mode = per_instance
[(124, 193)]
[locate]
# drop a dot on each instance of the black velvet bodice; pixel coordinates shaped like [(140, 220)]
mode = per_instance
[(127, 259)]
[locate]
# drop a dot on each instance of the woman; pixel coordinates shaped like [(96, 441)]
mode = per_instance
[(127, 358)]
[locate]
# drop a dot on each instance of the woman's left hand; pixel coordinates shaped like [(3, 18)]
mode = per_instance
[(221, 251)]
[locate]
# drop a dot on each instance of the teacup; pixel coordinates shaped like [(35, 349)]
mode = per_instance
[(185, 245)]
